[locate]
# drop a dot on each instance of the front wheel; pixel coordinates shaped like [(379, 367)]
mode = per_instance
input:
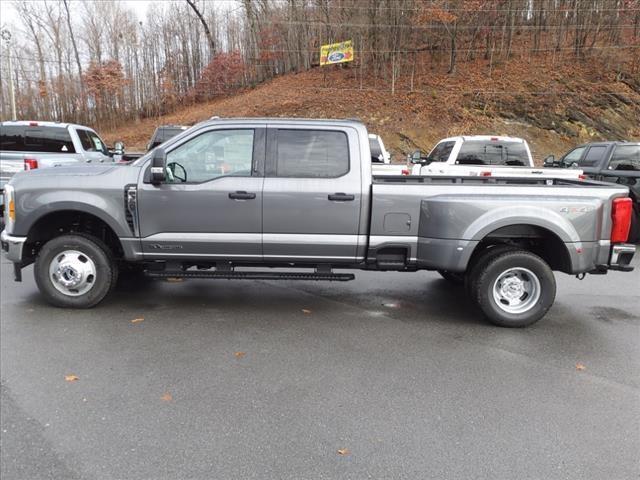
[(515, 289), (74, 271)]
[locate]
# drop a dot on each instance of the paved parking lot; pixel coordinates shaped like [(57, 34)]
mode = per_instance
[(389, 376)]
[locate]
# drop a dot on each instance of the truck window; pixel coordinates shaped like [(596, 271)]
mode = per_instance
[(212, 154), (12, 138), (593, 156), (626, 157), (478, 152), (572, 157), (91, 142), (48, 139), (441, 152), (312, 153)]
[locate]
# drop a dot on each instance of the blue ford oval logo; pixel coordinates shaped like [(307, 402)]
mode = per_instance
[(336, 56)]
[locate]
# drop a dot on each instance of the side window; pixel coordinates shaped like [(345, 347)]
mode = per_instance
[(593, 157), (85, 140), (48, 139), (441, 152), (573, 156), (211, 155), (12, 138), (625, 157), (312, 153)]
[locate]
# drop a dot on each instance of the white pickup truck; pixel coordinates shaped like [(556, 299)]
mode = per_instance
[(484, 156)]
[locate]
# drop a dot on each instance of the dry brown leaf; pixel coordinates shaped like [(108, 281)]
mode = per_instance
[(240, 354), (166, 397), (137, 320), (306, 312), (580, 366), (174, 279), (71, 378), (343, 451)]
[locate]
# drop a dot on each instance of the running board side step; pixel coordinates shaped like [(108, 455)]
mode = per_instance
[(231, 275)]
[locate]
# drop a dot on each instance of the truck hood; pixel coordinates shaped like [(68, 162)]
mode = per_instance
[(79, 170)]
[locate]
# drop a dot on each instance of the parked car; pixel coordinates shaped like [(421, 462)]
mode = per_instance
[(483, 155), (256, 198), (612, 162), (27, 145)]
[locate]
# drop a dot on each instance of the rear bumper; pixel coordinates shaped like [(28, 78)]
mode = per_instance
[(621, 256), (12, 246)]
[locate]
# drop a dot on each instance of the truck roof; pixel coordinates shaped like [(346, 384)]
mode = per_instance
[(483, 138), (609, 142), (38, 123), (278, 120)]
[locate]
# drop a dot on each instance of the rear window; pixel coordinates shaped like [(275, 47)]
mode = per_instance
[(312, 153), (441, 152), (19, 138), (12, 138), (593, 156), (493, 153), (626, 157)]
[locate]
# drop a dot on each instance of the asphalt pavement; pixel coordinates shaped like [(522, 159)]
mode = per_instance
[(391, 376)]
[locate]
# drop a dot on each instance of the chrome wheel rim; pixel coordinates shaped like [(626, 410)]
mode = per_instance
[(516, 290), (72, 273)]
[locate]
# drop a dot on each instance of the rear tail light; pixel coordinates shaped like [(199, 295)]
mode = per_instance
[(30, 163), (621, 216), (485, 174), (405, 171), (582, 177)]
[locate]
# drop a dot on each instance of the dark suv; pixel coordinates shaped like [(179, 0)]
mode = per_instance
[(613, 162)]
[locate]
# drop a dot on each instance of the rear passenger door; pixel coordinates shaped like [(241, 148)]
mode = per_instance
[(311, 195)]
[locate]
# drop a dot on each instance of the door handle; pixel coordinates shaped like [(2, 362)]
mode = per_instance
[(341, 197), (242, 195)]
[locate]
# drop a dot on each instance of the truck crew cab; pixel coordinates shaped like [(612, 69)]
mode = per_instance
[(245, 198)]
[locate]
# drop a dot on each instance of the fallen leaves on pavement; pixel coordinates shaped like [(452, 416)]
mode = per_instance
[(166, 397), (580, 366), (343, 451), (137, 320), (71, 378), (306, 311), (240, 354)]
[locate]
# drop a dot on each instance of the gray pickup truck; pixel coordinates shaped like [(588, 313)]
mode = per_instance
[(296, 200)]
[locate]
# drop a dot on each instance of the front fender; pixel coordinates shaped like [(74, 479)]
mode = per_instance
[(32, 207)]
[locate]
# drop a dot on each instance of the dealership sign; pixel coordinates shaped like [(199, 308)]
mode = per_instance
[(336, 53)]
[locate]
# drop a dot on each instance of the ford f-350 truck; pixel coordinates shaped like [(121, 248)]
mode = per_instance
[(295, 199)]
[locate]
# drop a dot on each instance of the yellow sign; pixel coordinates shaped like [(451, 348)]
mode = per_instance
[(336, 53)]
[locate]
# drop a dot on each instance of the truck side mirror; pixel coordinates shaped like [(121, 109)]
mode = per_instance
[(118, 148), (416, 157), (549, 161), (158, 166)]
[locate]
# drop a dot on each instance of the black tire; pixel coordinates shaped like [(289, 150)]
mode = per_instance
[(519, 264), (452, 277), (106, 272), (479, 262)]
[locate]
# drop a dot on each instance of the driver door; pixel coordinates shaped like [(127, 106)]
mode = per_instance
[(210, 206)]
